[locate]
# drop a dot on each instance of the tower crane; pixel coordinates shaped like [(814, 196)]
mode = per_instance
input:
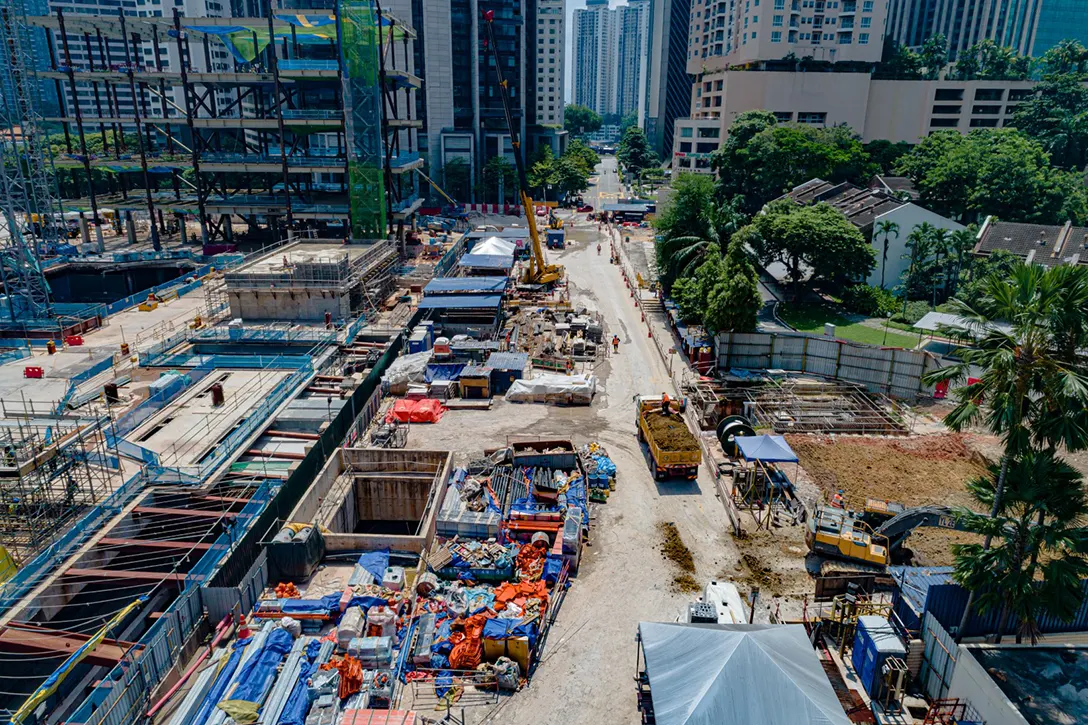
[(539, 271)]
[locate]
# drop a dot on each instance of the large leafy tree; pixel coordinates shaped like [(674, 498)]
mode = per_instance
[(817, 238), (998, 171), (684, 214), (734, 303), (456, 178), (933, 56), (1067, 57), (580, 120), (499, 177), (1057, 117), (886, 154), (761, 160), (692, 292), (1032, 391), (634, 152)]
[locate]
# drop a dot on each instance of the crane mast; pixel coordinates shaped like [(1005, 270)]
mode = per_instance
[(539, 272)]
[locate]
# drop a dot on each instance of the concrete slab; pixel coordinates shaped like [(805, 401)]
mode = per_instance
[(185, 431)]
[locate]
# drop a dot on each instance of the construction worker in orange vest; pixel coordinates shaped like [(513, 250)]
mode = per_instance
[(665, 403)]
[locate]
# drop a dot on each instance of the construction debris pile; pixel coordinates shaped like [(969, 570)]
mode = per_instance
[(600, 471), (557, 339), (671, 432)]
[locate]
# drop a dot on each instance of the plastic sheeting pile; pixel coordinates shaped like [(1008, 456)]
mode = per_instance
[(555, 389)]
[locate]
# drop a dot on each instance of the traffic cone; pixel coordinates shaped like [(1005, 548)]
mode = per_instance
[(649, 332), (643, 315), (243, 627)]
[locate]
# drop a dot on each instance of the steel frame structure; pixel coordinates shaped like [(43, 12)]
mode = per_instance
[(238, 141)]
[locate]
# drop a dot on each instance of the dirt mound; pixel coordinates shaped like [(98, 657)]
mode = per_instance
[(671, 433), (913, 471)]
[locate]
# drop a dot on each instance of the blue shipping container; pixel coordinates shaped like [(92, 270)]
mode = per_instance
[(874, 642)]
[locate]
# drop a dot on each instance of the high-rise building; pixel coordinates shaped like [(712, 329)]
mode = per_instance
[(668, 85), (594, 69), (727, 33), (611, 56), (544, 99), (964, 22)]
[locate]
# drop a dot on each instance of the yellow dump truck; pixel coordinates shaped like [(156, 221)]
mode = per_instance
[(674, 450)]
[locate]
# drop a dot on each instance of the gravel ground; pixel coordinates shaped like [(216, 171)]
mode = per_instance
[(589, 661)]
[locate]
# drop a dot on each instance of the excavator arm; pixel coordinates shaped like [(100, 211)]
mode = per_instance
[(539, 271), (898, 528)]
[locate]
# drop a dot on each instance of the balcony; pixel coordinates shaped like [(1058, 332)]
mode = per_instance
[(846, 25), (848, 8)]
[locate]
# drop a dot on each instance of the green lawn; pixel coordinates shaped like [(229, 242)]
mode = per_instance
[(810, 317)]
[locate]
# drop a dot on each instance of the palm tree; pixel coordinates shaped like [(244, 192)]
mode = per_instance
[(1033, 386), (939, 239), (963, 240), (1042, 511), (919, 243), (885, 228), (684, 254)]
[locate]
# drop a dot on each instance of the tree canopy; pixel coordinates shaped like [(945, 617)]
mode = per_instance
[(761, 160), (817, 238), (992, 171), (634, 152), (1057, 117), (580, 120)]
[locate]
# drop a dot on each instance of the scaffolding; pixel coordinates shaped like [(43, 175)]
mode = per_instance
[(28, 206), (796, 405), (52, 469)]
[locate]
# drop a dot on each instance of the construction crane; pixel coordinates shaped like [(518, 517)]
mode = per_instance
[(539, 272)]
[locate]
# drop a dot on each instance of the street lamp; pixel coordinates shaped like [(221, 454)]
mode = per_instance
[(887, 319)]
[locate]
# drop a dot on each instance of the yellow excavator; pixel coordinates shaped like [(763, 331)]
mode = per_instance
[(539, 272)]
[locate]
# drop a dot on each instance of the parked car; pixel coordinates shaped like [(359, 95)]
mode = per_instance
[(585, 208)]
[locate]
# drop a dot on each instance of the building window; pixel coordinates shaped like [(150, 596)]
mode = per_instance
[(867, 6), (944, 122), (719, 85), (812, 117), (706, 148), (783, 116), (948, 94), (983, 122), (685, 147), (686, 132), (866, 22), (776, 36), (753, 35), (985, 110), (776, 21), (948, 109), (989, 94), (710, 133), (1020, 94), (863, 38), (779, 4)]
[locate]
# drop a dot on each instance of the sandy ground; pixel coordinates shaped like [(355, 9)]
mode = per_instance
[(589, 661)]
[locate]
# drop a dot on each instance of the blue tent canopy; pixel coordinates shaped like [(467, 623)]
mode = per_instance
[(766, 449)]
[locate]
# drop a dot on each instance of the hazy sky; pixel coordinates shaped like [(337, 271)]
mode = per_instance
[(569, 70)]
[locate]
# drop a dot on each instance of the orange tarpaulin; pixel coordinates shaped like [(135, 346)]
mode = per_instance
[(507, 592), (427, 410), (530, 561)]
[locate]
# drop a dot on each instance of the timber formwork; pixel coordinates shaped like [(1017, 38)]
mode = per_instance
[(259, 136)]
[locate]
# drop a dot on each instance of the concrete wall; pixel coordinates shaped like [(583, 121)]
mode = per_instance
[(281, 304), (904, 110), (907, 217), (406, 485), (972, 683)]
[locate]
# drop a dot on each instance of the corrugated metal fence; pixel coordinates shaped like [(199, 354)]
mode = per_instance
[(221, 601), (892, 371), (939, 652)]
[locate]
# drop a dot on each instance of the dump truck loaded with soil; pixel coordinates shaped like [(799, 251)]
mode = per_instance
[(674, 450)]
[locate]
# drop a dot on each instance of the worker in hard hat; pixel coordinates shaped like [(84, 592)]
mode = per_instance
[(615, 343), (665, 403)]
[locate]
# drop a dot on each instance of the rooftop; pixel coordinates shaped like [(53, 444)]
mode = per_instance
[(1044, 244), (860, 206)]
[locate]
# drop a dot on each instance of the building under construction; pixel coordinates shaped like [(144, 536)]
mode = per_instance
[(244, 127)]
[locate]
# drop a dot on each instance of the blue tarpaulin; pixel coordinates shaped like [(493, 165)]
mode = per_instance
[(766, 448), (298, 702), (221, 682), (376, 562), (260, 669), (507, 628), (441, 285), (488, 261), (460, 302), (324, 605), (443, 371)]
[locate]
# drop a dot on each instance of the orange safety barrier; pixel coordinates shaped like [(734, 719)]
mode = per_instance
[(507, 592)]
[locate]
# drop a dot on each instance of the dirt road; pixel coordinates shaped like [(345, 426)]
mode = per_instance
[(588, 663)]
